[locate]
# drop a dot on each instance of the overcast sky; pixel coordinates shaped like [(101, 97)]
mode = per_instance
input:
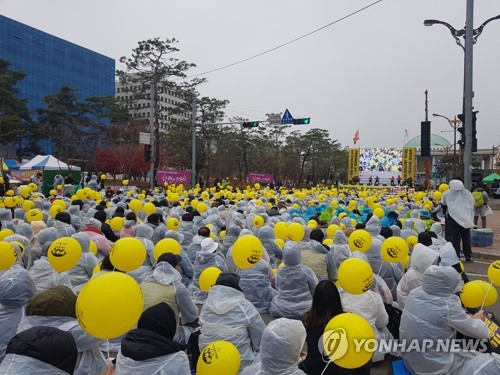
[(368, 72)]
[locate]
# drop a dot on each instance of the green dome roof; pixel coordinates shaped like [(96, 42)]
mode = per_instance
[(436, 140)]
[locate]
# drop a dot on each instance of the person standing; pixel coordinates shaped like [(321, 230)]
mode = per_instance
[(37, 179), (481, 208), (458, 203), (58, 180)]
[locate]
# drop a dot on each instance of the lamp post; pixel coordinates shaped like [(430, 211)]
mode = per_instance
[(470, 36), (454, 124)]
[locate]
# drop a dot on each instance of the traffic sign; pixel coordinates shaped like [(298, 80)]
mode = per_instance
[(144, 138), (274, 118), (287, 118)]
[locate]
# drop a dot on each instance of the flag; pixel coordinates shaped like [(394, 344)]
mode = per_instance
[(356, 136)]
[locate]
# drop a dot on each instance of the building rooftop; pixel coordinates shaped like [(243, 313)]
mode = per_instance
[(436, 140)]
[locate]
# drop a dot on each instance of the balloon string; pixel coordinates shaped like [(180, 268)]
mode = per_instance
[(326, 367), (107, 347), (486, 296), (380, 268)]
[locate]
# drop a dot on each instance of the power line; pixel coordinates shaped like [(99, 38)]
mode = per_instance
[(287, 43)]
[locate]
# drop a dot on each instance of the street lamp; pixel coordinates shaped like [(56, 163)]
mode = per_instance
[(470, 36), (454, 124)]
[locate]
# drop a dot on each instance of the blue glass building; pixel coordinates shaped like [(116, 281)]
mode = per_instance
[(50, 62)]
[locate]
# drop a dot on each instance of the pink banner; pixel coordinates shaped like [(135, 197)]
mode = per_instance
[(173, 177), (261, 178), (25, 175)]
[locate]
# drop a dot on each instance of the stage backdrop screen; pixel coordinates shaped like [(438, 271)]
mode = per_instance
[(383, 163)]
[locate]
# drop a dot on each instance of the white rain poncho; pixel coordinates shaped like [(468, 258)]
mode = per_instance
[(228, 316), (256, 285), (340, 249), (318, 258), (63, 229), (280, 348), (16, 289), (194, 248), (295, 284), (390, 272), (82, 271), (171, 364), (448, 255), (373, 227), (266, 236), (15, 364), (202, 262), (459, 203), (440, 240), (144, 233), (434, 312), (188, 230), (231, 236), (418, 223), (186, 271), (422, 258), (483, 364)]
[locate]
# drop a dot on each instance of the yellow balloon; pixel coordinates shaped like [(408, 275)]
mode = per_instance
[(34, 215), (54, 210), (489, 291), (28, 205), (331, 230), (437, 195), (125, 182), (295, 232), (9, 202), (117, 223), (208, 278), (167, 245), (394, 249), (33, 186), (173, 223), (222, 234), (174, 197), (494, 273), (81, 194), (103, 176), (443, 187), (195, 203), (280, 242), (359, 240), (328, 242), (258, 221), (5, 233), (109, 305), (405, 262), (281, 230), (25, 192), (472, 295), (219, 357), (59, 187), (355, 276), (378, 212), (201, 207), (60, 203), (64, 253), (8, 255), (21, 247), (97, 268), (127, 254), (149, 208), (339, 340), (93, 247), (412, 241), (135, 205), (247, 251)]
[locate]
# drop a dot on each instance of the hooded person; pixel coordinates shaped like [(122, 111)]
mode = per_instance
[(418, 223), (483, 364), (408, 230), (105, 227), (62, 223), (295, 285), (440, 240), (129, 226), (154, 221), (83, 270), (42, 273), (317, 257), (187, 228), (144, 233), (56, 308), (396, 231), (228, 316), (255, 283), (232, 235), (434, 312), (390, 272), (76, 217), (93, 183), (151, 349), (16, 289), (459, 205), (93, 230), (340, 249), (373, 227), (267, 238), (207, 257), (19, 216), (186, 267), (23, 235), (41, 351), (164, 285), (422, 258), (195, 245), (280, 348)]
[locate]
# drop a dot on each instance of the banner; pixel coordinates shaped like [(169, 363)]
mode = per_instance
[(24, 176), (409, 164), (173, 177), (494, 334), (353, 166), (265, 178)]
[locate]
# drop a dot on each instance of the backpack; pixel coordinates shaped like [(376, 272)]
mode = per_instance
[(478, 199)]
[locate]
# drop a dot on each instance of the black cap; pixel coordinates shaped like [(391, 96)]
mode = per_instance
[(229, 279), (171, 258)]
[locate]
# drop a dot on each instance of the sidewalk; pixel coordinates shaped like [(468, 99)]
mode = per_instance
[(493, 222)]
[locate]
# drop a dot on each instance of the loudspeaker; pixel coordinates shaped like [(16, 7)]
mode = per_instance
[(425, 138)]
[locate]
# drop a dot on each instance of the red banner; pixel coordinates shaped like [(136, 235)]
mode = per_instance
[(24, 176), (266, 178), (173, 177)]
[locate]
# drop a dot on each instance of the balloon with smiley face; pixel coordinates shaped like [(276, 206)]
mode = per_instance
[(64, 253)]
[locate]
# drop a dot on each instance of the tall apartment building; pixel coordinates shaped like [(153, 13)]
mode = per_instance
[(141, 109)]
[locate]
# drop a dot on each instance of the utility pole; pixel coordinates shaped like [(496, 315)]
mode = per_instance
[(469, 43), (193, 142), (152, 136), (427, 163)]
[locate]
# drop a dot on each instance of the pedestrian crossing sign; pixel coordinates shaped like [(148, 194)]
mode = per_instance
[(287, 118)]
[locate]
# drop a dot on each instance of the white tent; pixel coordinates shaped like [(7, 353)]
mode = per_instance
[(47, 163)]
